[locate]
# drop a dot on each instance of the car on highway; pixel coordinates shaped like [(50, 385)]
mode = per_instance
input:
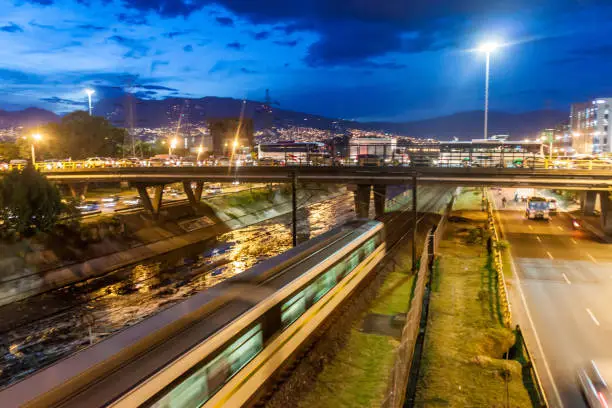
[(110, 201), (223, 161), (214, 189), (553, 206), (53, 164), (132, 201), (268, 162), (18, 162), (88, 206), (156, 162), (95, 162), (594, 379), (128, 162)]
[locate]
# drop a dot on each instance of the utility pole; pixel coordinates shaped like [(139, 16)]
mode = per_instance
[(294, 207), (414, 223)]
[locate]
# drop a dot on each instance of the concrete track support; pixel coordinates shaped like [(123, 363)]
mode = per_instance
[(605, 198), (362, 200), (152, 206), (78, 190), (587, 202), (380, 196), (193, 195)]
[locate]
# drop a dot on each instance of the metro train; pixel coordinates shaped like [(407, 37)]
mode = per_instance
[(222, 346)]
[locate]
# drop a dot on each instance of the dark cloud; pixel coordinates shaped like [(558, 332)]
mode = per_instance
[(137, 48), (90, 27), (156, 88), (232, 67), (173, 34), (261, 35), (132, 18), (21, 77), (235, 46), (11, 28), (287, 43), (225, 21), (356, 30), (381, 65), (158, 63), (145, 94), (188, 48), (44, 26), (62, 101)]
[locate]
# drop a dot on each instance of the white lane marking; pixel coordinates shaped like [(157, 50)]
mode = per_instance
[(538, 238), (560, 227), (591, 258), (549, 255), (574, 241), (532, 324), (531, 227), (566, 280), (592, 316)]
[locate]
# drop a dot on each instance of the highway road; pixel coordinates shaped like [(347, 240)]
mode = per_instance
[(561, 296)]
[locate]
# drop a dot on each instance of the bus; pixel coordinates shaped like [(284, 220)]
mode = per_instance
[(307, 153), (537, 208)]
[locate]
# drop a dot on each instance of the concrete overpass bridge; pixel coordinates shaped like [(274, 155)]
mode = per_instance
[(591, 182)]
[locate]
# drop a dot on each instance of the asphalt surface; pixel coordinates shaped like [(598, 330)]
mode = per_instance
[(562, 297)]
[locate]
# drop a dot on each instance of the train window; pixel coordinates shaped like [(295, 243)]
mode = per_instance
[(322, 285), (352, 263), (292, 309), (369, 246), (339, 270), (201, 385)]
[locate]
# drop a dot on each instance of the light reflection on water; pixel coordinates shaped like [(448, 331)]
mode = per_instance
[(112, 303)]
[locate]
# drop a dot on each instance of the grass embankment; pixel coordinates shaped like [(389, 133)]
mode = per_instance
[(358, 374), (463, 364)]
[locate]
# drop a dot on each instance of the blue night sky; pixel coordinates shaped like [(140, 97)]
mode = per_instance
[(355, 59)]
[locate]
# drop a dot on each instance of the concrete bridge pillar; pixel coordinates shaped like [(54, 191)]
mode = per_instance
[(605, 198), (362, 200), (78, 190), (380, 196), (152, 206), (193, 195), (587, 202)]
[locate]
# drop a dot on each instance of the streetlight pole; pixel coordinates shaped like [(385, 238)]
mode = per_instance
[(35, 138), (90, 92), (487, 48), (486, 114)]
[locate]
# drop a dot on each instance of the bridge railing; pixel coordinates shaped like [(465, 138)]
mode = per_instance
[(528, 164)]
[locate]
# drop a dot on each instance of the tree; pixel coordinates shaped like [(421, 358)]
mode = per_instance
[(80, 135), (29, 203), (9, 151)]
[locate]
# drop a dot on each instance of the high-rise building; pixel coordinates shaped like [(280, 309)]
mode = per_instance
[(229, 134), (589, 126)]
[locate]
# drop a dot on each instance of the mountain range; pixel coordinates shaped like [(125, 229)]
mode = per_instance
[(130, 111)]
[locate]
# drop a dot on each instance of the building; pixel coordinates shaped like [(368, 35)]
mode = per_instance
[(230, 134), (383, 147), (589, 126)]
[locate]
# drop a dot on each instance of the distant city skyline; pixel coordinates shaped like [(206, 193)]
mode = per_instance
[(341, 59)]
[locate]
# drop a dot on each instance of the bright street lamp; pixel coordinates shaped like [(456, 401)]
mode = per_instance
[(487, 48), (90, 92), (172, 146), (36, 137)]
